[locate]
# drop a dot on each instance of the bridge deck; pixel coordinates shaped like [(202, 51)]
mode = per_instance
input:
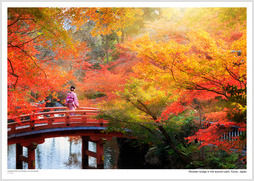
[(29, 130), (42, 125)]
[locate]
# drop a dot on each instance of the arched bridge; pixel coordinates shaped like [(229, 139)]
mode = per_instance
[(33, 129)]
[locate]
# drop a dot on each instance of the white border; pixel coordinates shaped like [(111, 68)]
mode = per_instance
[(122, 174), (249, 89), (127, 4), (4, 90)]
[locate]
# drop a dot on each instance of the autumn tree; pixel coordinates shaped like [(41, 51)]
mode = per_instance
[(202, 69), (34, 36), (201, 65), (108, 23), (181, 79)]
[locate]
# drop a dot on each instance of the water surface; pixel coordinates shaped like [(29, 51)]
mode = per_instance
[(63, 153)]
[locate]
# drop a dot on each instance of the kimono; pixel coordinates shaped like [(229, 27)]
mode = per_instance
[(74, 104)]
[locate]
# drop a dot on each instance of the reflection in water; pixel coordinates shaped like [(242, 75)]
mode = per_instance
[(11, 159), (74, 157), (62, 153), (111, 154)]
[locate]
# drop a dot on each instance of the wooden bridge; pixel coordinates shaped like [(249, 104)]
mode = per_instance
[(48, 122)]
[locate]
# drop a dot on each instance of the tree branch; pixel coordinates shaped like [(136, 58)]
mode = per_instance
[(195, 86), (147, 110), (13, 73), (27, 41), (163, 131), (31, 58), (139, 108), (234, 76), (15, 20)]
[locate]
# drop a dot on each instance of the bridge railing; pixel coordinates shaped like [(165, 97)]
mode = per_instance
[(55, 117)]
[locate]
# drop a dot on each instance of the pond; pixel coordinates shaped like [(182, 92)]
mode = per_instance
[(65, 153)]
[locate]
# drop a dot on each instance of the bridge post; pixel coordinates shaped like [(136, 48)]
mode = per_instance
[(19, 152), (31, 155), (67, 119), (85, 163), (100, 154)]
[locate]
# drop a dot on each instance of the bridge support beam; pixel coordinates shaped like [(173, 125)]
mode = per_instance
[(31, 156), (85, 163), (99, 155), (19, 152)]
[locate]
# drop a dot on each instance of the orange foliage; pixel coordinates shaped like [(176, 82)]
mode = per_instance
[(109, 78), (175, 108), (196, 64), (192, 61), (214, 135), (107, 20), (33, 72)]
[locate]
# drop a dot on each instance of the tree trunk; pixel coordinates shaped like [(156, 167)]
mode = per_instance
[(169, 141), (122, 37), (106, 41)]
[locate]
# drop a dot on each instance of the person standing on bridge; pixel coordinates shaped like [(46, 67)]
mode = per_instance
[(72, 100)]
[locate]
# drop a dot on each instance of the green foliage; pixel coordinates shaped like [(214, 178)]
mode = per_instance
[(93, 95), (131, 120), (243, 136), (232, 16), (141, 103), (96, 66), (195, 164), (178, 128), (110, 59), (145, 97), (215, 159), (237, 98), (236, 94), (221, 160)]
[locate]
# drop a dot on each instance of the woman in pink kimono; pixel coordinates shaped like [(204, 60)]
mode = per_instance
[(72, 100)]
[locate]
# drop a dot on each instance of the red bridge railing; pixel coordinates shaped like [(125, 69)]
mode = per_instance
[(55, 117)]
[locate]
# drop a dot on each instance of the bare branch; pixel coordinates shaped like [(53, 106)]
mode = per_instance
[(13, 73)]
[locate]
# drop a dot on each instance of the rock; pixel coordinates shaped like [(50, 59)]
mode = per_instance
[(152, 158)]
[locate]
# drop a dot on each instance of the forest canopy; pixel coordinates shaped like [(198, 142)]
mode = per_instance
[(176, 77)]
